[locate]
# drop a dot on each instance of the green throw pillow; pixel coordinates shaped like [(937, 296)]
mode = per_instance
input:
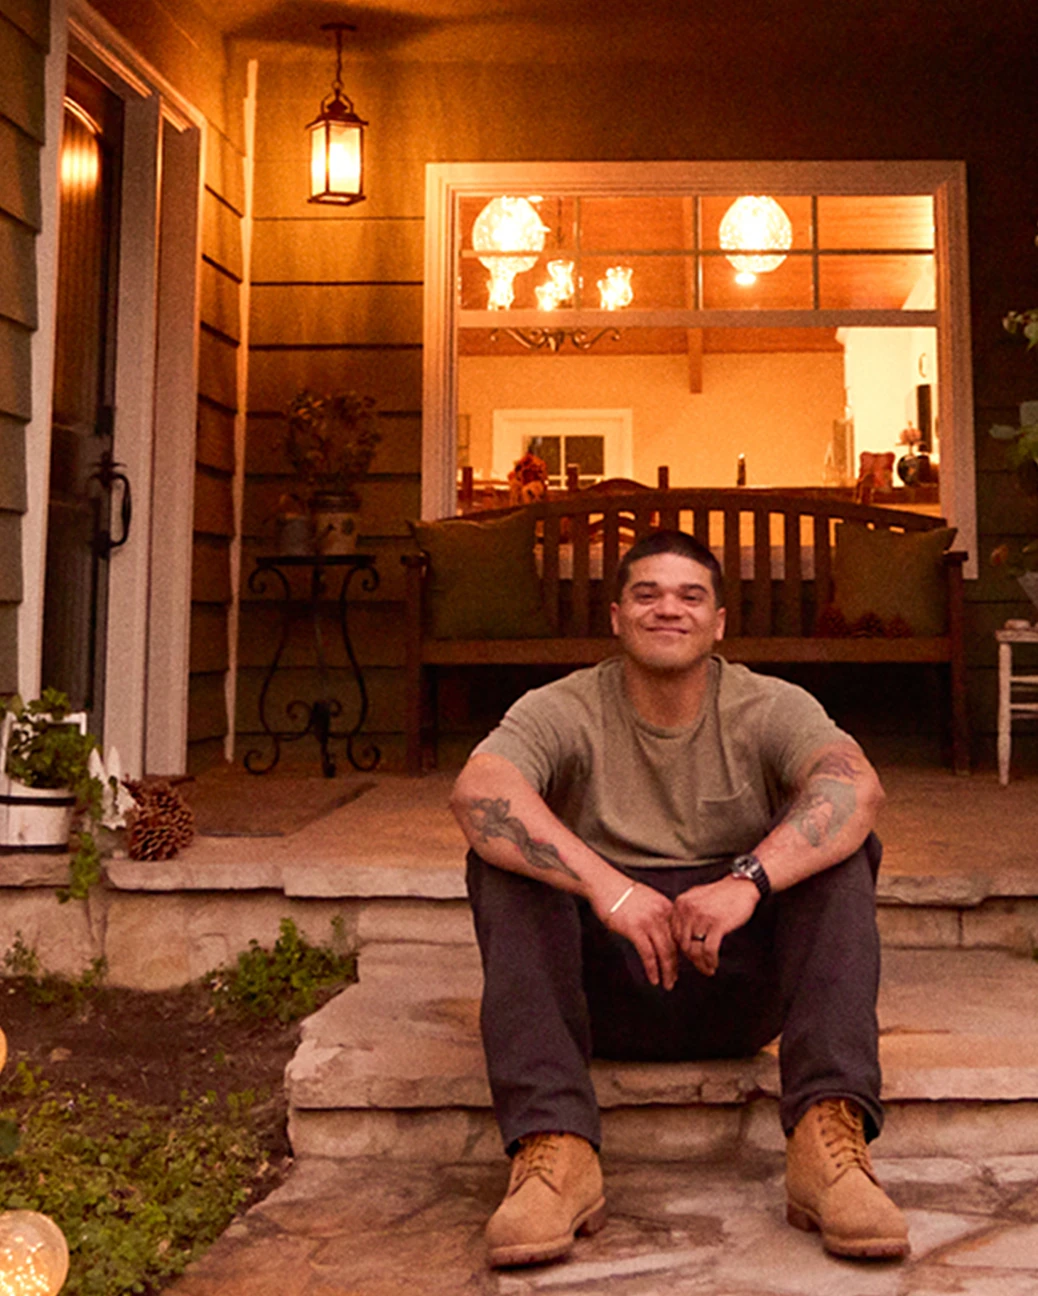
[(893, 574), (482, 581)]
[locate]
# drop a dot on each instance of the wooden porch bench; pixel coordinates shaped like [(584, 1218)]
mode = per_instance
[(777, 553)]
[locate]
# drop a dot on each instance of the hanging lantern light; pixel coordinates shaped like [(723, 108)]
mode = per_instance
[(506, 226), (759, 225), (337, 140)]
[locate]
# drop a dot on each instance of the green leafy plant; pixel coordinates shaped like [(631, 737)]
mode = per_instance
[(1021, 444), (46, 988), (331, 442), (45, 751), (139, 1192), (285, 982)]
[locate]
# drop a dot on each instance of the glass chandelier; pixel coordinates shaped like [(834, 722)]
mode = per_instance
[(759, 231), (504, 227)]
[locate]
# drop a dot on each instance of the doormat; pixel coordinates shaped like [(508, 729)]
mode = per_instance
[(233, 803)]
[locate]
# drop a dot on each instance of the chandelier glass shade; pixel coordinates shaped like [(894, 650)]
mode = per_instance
[(559, 289), (614, 289), (758, 232), (337, 141), (504, 227)]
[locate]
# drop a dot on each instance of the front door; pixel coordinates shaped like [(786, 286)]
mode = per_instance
[(83, 526)]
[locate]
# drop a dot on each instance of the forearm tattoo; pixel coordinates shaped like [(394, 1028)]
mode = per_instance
[(827, 802), (490, 818)]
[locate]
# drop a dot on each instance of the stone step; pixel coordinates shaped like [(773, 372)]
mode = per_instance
[(393, 1067)]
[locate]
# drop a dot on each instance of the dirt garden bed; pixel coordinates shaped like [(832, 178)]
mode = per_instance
[(142, 1122)]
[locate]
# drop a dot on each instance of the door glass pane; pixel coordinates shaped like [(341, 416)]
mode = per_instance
[(76, 584)]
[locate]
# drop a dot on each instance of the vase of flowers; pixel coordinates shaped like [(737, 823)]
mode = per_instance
[(331, 442)]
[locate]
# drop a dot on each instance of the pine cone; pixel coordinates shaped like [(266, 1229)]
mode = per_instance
[(869, 626), (832, 623), (180, 815), (160, 823), (151, 837), (898, 628)]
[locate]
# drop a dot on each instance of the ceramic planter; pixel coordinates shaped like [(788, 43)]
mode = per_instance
[(335, 525)]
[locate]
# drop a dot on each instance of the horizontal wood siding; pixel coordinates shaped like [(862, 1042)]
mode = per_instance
[(211, 592), (23, 46)]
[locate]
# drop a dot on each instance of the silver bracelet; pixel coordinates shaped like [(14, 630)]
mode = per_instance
[(622, 898)]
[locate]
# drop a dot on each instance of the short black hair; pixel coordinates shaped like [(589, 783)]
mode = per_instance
[(675, 542)]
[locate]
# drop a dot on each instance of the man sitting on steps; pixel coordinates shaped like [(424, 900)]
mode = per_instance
[(672, 858)]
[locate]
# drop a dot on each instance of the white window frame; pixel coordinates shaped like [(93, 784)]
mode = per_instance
[(447, 183), (156, 391), (511, 426)]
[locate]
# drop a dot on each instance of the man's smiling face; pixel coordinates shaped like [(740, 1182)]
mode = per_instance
[(667, 619)]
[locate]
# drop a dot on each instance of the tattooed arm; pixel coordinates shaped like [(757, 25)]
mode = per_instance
[(511, 827), (837, 797)]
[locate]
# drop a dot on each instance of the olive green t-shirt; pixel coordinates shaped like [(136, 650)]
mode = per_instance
[(644, 796)]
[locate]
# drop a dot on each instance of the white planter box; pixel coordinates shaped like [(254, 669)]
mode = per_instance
[(31, 818), (34, 818)]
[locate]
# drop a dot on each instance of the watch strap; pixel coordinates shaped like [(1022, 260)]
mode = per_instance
[(749, 866)]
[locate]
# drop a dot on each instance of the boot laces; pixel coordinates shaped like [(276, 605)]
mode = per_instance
[(844, 1136), (537, 1155)]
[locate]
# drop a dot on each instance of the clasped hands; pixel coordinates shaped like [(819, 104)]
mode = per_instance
[(694, 924)]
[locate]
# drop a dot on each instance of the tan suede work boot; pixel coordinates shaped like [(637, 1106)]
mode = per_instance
[(554, 1193), (831, 1186)]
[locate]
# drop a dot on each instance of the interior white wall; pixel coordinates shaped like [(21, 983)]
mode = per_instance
[(776, 408), (883, 367)]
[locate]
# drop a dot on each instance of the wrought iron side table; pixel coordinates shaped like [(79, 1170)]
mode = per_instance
[(315, 717), (1011, 691)]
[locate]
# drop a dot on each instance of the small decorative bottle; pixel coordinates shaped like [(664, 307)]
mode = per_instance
[(740, 471)]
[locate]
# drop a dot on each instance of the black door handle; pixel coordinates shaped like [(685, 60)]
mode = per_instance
[(106, 474)]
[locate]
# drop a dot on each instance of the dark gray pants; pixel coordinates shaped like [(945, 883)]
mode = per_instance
[(560, 988)]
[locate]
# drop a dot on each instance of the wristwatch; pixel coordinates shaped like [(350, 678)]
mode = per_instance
[(749, 866)]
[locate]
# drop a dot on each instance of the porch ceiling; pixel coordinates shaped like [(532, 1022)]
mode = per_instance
[(708, 33)]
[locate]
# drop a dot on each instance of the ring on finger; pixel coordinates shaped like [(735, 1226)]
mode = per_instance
[(699, 938)]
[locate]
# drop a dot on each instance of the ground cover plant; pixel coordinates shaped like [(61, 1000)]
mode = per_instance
[(144, 1122)]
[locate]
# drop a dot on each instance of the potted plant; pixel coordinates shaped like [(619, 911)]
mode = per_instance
[(330, 443), (46, 779)]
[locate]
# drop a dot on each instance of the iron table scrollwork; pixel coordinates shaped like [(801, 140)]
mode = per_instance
[(315, 717)]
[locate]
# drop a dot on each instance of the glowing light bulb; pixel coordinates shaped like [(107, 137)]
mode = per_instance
[(614, 290), (745, 277), (760, 225), (560, 287), (33, 1255)]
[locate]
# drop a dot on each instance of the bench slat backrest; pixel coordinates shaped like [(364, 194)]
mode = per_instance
[(761, 537)]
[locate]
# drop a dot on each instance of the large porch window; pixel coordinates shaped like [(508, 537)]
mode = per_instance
[(856, 331)]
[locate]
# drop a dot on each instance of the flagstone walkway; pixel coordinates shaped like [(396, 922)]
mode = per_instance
[(363, 1228)]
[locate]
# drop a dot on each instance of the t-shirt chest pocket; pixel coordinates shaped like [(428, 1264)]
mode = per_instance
[(730, 825)]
